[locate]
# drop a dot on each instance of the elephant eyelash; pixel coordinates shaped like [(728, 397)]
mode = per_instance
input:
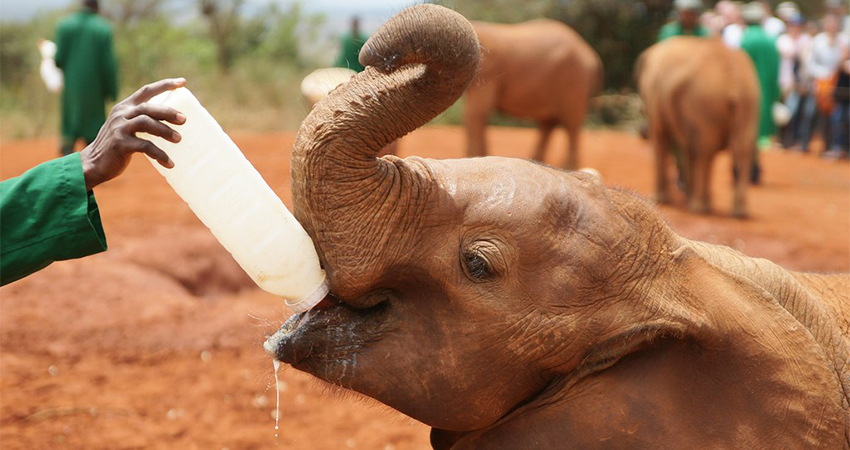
[(477, 266)]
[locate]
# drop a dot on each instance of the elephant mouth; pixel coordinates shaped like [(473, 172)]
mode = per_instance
[(328, 335)]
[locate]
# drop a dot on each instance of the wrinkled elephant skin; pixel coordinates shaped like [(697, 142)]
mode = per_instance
[(510, 305)]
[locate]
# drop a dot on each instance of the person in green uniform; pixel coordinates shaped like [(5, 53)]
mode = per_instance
[(762, 50), (84, 53), (50, 214), (686, 23), (352, 42)]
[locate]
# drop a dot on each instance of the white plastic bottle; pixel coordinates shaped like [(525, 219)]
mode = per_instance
[(231, 198)]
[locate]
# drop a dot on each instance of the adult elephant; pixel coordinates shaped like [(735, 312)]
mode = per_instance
[(510, 305), (540, 70), (701, 97)]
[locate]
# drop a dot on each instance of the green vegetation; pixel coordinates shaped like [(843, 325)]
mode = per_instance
[(256, 87)]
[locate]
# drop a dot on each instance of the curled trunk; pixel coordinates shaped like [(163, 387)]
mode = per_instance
[(418, 64)]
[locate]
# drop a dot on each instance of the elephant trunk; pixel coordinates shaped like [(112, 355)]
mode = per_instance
[(418, 64)]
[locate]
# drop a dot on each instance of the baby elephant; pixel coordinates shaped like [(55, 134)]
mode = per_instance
[(540, 70), (701, 97), (511, 306)]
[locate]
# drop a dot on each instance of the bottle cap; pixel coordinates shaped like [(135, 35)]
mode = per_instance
[(308, 302)]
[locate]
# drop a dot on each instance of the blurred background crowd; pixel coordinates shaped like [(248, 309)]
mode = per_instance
[(814, 65)]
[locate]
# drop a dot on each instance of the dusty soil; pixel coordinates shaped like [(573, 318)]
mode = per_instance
[(157, 342)]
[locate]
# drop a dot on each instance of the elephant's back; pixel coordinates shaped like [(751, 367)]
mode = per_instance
[(697, 72), (536, 65), (532, 41)]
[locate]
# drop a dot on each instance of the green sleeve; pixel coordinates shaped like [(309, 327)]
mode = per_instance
[(46, 215)]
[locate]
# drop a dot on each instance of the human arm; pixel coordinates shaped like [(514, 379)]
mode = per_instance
[(50, 214), (46, 215)]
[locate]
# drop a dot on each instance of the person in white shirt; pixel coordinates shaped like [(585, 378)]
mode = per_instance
[(787, 11), (792, 47), (734, 29), (771, 24), (821, 63), (839, 8)]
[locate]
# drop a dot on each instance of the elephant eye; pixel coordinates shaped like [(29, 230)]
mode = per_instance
[(477, 266)]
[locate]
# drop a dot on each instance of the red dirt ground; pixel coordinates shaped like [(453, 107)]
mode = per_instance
[(157, 342)]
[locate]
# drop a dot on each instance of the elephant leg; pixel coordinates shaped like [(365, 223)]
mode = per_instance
[(545, 128), (573, 138), (743, 164), (706, 181), (660, 142), (704, 143), (742, 150), (480, 101), (476, 137), (699, 185)]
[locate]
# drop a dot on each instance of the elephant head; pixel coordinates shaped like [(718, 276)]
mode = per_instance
[(441, 270), (464, 289)]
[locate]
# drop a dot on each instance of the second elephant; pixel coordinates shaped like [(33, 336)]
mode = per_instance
[(700, 97), (540, 70)]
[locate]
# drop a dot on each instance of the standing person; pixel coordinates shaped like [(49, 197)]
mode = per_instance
[(822, 63), (687, 21), (762, 50), (734, 29), (352, 42), (792, 46), (85, 55), (839, 144), (771, 24), (787, 11), (839, 9)]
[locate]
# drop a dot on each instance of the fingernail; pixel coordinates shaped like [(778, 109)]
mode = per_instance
[(181, 118), (169, 163), (175, 136)]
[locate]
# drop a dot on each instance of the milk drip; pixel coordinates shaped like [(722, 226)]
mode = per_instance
[(231, 198)]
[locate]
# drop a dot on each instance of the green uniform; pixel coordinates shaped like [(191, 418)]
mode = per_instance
[(762, 50), (84, 53), (46, 215), (675, 29), (349, 57)]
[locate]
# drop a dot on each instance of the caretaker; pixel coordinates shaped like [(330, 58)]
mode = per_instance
[(84, 53)]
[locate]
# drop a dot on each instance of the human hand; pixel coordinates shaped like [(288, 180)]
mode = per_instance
[(110, 153)]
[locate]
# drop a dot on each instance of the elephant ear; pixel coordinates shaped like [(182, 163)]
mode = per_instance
[(725, 297), (771, 353)]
